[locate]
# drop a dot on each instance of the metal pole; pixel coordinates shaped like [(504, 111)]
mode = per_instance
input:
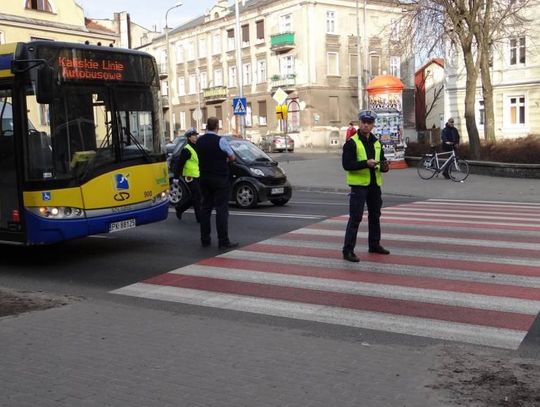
[(359, 58), (365, 67), (239, 66), (169, 76)]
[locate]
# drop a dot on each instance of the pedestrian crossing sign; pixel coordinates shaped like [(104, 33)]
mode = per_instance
[(239, 106)]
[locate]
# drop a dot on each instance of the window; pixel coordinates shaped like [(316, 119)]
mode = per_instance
[(230, 40), (182, 120), (219, 115), (232, 77), (218, 77), (179, 53), (394, 30), (204, 111), (165, 88), (216, 43), (245, 35), (261, 71), (192, 119), (331, 22), (249, 117), (481, 113), (246, 71), (332, 64), (333, 111), (353, 64), (285, 23), (395, 66), (516, 110), (43, 114), (41, 5), (375, 64), (181, 86), (190, 51), (203, 80), (262, 112), (192, 84), (260, 30), (286, 65), (202, 47), (517, 51)]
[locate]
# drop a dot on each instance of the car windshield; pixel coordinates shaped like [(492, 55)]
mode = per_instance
[(248, 152)]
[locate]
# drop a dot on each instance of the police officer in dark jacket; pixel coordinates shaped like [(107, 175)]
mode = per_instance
[(363, 159), (215, 153), (449, 141), (187, 167)]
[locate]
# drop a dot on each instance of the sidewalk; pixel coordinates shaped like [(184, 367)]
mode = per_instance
[(323, 172)]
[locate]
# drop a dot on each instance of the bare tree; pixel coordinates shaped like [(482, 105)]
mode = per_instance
[(421, 92), (472, 28)]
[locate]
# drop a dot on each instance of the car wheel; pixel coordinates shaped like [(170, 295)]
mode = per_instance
[(245, 195), (177, 192), (279, 201)]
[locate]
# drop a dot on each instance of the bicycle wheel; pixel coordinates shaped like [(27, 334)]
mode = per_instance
[(458, 170), (427, 167)]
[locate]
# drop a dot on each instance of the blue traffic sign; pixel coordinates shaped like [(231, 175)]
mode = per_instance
[(239, 106)]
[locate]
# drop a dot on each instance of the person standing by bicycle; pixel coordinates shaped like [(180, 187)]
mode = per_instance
[(363, 159), (449, 141)]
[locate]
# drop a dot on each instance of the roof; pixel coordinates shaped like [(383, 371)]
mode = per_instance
[(94, 26), (437, 61), (386, 82)]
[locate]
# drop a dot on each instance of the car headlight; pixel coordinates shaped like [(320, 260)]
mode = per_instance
[(257, 172)]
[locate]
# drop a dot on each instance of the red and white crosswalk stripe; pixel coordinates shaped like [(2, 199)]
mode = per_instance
[(459, 270)]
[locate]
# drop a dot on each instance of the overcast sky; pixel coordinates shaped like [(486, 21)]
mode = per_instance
[(147, 13)]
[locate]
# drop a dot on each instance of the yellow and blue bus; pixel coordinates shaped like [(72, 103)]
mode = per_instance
[(80, 142)]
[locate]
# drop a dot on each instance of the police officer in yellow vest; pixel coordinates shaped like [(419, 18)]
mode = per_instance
[(363, 159), (187, 167)]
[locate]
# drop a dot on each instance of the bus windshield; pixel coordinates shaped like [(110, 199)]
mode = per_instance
[(87, 129)]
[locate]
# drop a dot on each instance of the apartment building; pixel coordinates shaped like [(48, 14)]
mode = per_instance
[(515, 73), (307, 48), (56, 20)]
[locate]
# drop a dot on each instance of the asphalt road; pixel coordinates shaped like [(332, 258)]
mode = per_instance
[(98, 264)]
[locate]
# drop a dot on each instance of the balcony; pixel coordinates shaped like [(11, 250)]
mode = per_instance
[(216, 94), (282, 42), (285, 82)]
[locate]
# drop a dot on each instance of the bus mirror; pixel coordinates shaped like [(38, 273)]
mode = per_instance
[(44, 86)]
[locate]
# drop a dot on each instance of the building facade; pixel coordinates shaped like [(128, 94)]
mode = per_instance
[(55, 20), (429, 94), (515, 73), (307, 48)]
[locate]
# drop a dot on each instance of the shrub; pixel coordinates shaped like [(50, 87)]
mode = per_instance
[(525, 150)]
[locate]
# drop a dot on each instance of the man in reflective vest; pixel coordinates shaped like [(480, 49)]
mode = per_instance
[(187, 167), (363, 159)]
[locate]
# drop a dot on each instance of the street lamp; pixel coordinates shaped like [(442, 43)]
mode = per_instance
[(169, 78)]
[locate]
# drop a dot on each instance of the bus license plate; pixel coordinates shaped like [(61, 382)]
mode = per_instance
[(121, 225), (276, 191)]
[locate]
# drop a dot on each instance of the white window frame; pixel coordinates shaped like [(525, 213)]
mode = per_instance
[(181, 86), (395, 28), (218, 77), (285, 23), (179, 53), (203, 80), (164, 88), (286, 65), (261, 71), (202, 48), (231, 41), (519, 49), (395, 66), (232, 80), (329, 71), (330, 22), (353, 63), (508, 105), (192, 84), (182, 120), (190, 51), (216, 43), (247, 74)]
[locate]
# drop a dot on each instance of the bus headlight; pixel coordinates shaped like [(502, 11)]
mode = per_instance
[(57, 212), (161, 197)]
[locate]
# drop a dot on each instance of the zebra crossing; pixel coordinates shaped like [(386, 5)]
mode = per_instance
[(459, 270)]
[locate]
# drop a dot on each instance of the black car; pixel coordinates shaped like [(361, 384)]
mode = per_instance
[(255, 177)]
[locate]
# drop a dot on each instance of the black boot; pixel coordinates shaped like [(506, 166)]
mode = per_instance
[(350, 256)]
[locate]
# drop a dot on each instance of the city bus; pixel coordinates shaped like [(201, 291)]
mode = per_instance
[(81, 149)]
